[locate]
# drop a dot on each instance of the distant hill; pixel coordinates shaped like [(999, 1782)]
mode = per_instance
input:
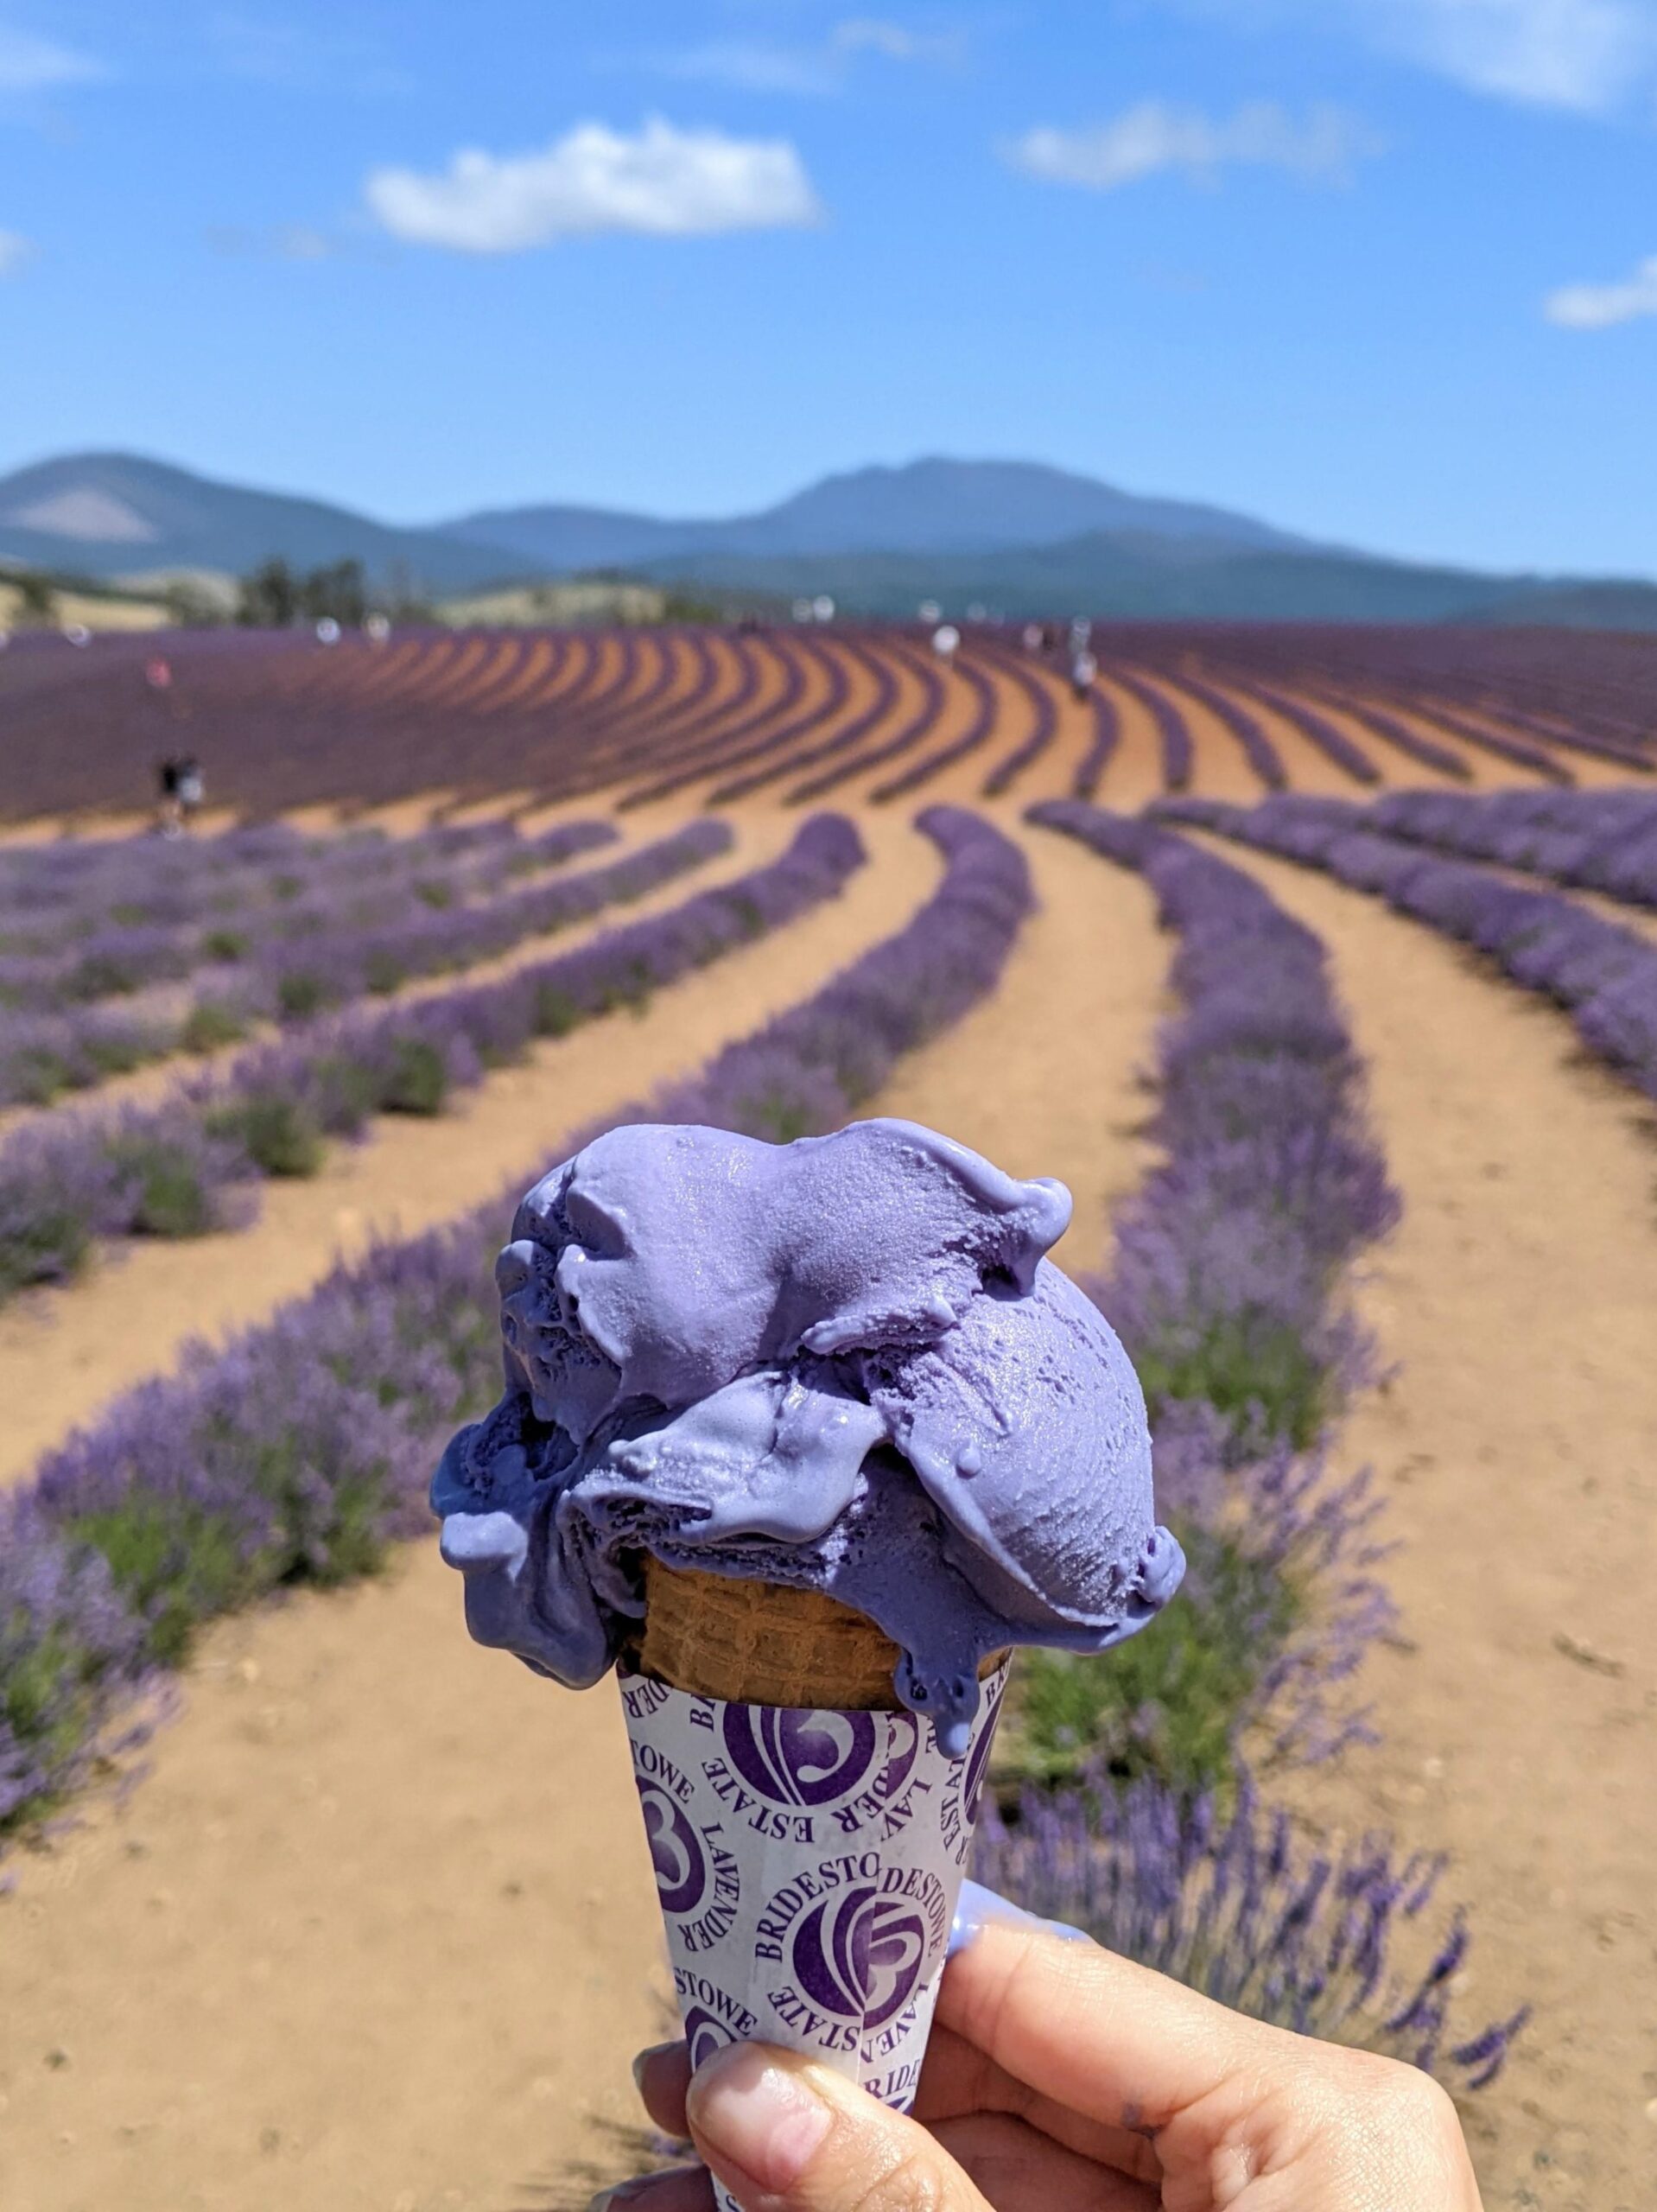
[(1014, 536), (1136, 576), (928, 506), (114, 514)]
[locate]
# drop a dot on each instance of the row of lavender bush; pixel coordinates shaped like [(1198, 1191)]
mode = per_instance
[(116, 954), (368, 948), (1143, 1823), (1603, 841), (1605, 974), (302, 1449), (52, 896), (1227, 1287), (190, 1164)]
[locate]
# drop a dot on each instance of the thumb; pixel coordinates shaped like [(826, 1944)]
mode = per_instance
[(785, 2134)]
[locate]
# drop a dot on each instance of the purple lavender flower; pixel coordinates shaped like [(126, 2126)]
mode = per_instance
[(1321, 1939)]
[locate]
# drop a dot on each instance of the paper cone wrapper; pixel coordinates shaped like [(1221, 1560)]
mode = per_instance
[(808, 1863)]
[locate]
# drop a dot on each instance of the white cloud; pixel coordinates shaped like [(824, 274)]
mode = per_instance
[(29, 64), (1597, 307), (1584, 55), (14, 249), (1155, 136), (663, 182), (868, 34), (752, 67), (757, 66), (1572, 53)]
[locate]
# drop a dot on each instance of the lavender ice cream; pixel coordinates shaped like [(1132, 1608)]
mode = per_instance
[(842, 1364)]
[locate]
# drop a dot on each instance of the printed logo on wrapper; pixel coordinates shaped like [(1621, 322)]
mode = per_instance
[(698, 1876), (839, 1771), (809, 1865)]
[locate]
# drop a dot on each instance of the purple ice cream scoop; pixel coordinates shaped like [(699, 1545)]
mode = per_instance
[(842, 1364)]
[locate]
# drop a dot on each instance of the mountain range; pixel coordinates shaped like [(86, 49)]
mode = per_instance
[(1019, 538)]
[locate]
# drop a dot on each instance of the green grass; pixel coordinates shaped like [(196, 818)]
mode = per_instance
[(171, 1199), (1247, 1368), (280, 1134), (175, 1562), (299, 994), (1170, 1701), (209, 1024), (418, 1079)]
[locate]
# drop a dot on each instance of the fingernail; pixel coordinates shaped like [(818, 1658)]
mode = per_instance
[(656, 2050), (979, 1908), (751, 2114)]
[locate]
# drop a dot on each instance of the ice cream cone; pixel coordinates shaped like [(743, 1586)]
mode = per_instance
[(808, 1836), (761, 1643)]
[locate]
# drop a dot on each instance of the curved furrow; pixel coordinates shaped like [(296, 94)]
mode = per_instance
[(1455, 719), (618, 673), (976, 733), (639, 706), (1513, 750), (1423, 751), (687, 760), (543, 656), (640, 744), (797, 658), (1331, 742), (708, 707), (1173, 732), (926, 714), (1102, 746), (1258, 749), (1043, 731), (504, 669), (813, 716), (871, 717)]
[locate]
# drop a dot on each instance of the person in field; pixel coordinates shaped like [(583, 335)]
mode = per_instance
[(1084, 669)]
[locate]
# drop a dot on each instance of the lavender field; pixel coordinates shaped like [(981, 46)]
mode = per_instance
[(1323, 965)]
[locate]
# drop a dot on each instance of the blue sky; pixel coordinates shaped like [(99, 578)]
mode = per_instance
[(1384, 270)]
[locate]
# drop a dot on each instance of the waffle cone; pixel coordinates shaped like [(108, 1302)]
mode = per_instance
[(761, 1643)]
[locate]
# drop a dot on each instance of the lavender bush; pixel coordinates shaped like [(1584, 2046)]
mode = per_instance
[(1226, 1289), (301, 1449), (1329, 1941), (293, 963), (187, 1166), (1605, 974)]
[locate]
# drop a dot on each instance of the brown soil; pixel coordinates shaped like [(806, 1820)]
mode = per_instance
[(1518, 1448), (375, 1930)]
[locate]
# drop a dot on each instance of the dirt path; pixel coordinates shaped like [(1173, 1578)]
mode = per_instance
[(63, 1353), (374, 1932), (1518, 1445)]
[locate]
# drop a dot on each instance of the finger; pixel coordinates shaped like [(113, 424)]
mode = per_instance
[(681, 2188), (662, 2074), (1096, 2033), (784, 2135), (958, 2080), (1010, 2163)]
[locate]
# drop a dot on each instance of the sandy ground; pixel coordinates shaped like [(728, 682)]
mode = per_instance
[(374, 1931), (1518, 1447)]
